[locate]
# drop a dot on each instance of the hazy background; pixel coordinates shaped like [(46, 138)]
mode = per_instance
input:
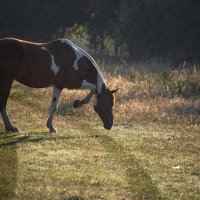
[(129, 30)]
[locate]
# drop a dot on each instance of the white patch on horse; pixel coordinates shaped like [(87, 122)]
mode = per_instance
[(100, 82), (44, 48), (53, 107), (86, 85), (54, 67), (95, 100), (79, 53), (78, 56)]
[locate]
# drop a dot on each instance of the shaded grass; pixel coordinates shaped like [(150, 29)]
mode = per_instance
[(140, 184), (65, 170), (169, 155), (84, 162), (84, 153), (8, 168)]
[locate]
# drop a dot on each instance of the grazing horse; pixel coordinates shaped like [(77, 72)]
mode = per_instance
[(60, 64)]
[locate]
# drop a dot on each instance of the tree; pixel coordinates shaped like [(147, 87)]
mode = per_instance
[(101, 17)]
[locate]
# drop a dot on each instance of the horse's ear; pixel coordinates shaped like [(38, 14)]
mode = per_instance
[(113, 91)]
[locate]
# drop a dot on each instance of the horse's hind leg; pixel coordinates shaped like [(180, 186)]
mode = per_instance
[(5, 86)]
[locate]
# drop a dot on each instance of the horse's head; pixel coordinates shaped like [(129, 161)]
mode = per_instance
[(103, 106)]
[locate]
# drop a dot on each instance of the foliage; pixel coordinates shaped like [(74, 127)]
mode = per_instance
[(141, 28)]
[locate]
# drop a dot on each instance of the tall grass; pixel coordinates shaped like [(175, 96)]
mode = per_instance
[(164, 95), (168, 95)]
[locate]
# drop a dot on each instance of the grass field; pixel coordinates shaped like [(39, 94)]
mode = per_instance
[(152, 152)]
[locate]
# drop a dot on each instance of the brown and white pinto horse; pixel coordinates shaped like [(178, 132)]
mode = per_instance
[(60, 64)]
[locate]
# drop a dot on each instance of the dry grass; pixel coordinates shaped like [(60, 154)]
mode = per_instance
[(167, 96)]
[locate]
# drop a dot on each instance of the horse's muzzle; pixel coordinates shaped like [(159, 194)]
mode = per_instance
[(108, 126)]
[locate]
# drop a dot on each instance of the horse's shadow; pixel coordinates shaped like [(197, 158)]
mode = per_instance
[(38, 138)]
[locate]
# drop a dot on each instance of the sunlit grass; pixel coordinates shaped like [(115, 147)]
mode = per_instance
[(166, 96)]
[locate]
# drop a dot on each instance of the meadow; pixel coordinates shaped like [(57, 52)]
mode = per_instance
[(152, 152)]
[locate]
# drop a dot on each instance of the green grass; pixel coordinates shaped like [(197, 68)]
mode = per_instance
[(143, 160)]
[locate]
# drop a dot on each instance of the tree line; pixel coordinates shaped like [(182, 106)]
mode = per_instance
[(138, 29)]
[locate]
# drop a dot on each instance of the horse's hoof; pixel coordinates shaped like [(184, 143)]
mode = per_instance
[(77, 103), (52, 130), (12, 129)]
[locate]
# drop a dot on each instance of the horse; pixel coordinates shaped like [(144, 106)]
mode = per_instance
[(59, 64)]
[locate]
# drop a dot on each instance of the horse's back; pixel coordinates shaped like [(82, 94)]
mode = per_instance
[(38, 65), (33, 64), (27, 62)]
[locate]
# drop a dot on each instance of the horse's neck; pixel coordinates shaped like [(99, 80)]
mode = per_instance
[(100, 83)]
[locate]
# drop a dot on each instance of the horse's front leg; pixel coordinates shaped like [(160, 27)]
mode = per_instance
[(78, 103), (53, 107), (5, 86)]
